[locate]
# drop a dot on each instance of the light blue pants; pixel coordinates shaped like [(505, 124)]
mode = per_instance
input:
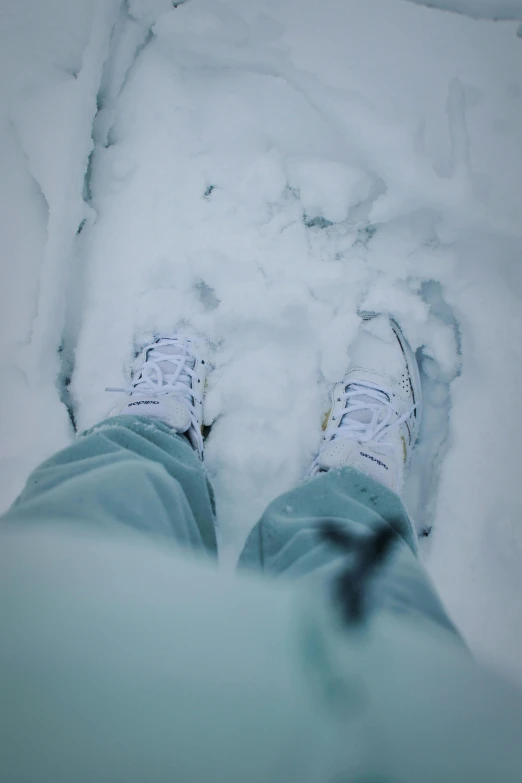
[(135, 472), (127, 656)]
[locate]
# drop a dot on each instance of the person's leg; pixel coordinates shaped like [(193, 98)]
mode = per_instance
[(140, 470), (339, 521), (127, 471), (291, 541)]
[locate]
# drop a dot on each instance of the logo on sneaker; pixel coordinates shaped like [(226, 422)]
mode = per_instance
[(143, 402), (373, 459)]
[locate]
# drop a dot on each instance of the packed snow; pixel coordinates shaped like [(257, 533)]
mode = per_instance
[(259, 173)]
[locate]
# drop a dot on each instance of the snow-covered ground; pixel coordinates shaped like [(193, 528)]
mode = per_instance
[(262, 171), (479, 9)]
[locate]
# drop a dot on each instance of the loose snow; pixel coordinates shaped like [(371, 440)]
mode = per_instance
[(258, 173)]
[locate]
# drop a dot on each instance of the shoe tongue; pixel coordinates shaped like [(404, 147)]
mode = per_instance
[(344, 451), (150, 407), (169, 368), (172, 412), (377, 466), (363, 415)]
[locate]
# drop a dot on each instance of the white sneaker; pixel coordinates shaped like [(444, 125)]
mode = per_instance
[(375, 415), (169, 385)]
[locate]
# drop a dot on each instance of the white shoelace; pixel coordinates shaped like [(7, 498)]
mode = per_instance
[(358, 399), (152, 381)]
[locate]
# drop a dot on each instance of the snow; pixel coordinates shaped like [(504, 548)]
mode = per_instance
[(41, 53), (479, 9), (262, 172)]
